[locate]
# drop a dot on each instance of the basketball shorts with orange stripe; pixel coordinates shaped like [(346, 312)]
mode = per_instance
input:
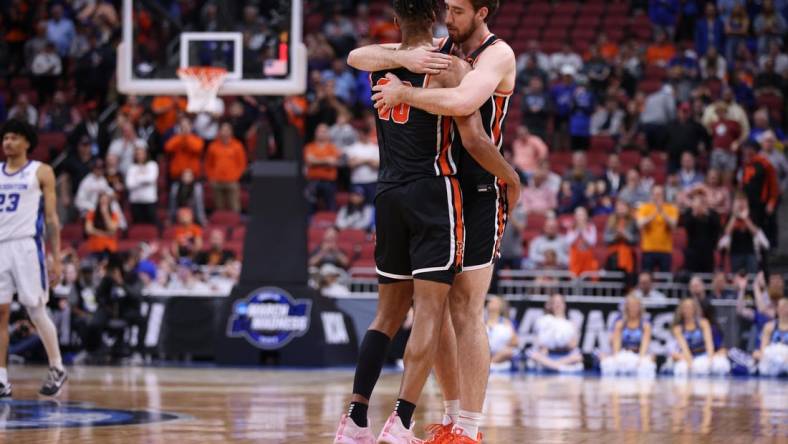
[(420, 230), (485, 214)]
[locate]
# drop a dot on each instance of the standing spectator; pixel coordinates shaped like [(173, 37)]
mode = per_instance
[(166, 109), (92, 129), (688, 175), (528, 150), (566, 61), (737, 27), (533, 54), (598, 71), (538, 195), (580, 119), (743, 239), (719, 287), (37, 43), (363, 158), (101, 227), (645, 288), (186, 192), (769, 26), (724, 142), (760, 184), (664, 15), (125, 146), (78, 164), (225, 163), (658, 110), (613, 177), (657, 221), (59, 116), (114, 177), (710, 31), (344, 82), (23, 110), (608, 119), (93, 185), (684, 135), (356, 215), (561, 95), (582, 240), (633, 192), (184, 150), (550, 239), (713, 65), (60, 30), (322, 159), (46, 69), (661, 50), (621, 234), (703, 228), (535, 107), (142, 184), (718, 195)]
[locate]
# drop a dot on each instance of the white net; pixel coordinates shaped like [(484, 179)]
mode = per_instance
[(202, 87)]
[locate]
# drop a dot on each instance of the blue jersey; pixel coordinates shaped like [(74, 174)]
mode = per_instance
[(632, 337), (694, 339), (778, 336)]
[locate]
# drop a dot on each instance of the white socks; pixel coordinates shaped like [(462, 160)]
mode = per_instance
[(3, 376), (47, 333), (451, 411), (469, 423)]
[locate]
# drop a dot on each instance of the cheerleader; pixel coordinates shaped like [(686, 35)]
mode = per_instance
[(557, 339), (501, 334), (773, 355), (631, 339), (695, 343)]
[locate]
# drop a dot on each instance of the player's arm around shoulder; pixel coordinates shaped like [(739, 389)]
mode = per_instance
[(46, 179), (421, 60)]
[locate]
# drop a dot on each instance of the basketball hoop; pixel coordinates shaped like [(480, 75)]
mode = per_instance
[(202, 87)]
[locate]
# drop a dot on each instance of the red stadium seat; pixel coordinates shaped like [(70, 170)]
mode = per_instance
[(507, 21), (614, 23), (235, 247), (561, 21), (582, 35), (324, 219), (603, 144), (565, 8), (629, 159), (649, 86), (72, 232), (536, 221), (228, 218), (168, 234), (556, 34), (600, 222), (618, 8), (526, 33), (143, 232), (354, 237), (592, 10), (533, 22), (542, 9), (53, 141), (771, 101), (655, 72), (239, 233), (125, 245)]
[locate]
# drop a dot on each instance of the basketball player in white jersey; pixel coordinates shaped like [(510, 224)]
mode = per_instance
[(27, 213)]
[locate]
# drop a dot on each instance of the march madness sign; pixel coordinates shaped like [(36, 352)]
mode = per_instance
[(269, 318)]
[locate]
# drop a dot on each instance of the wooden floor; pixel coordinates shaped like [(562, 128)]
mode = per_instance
[(302, 407)]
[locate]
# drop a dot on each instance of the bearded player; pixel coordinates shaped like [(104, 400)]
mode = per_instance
[(487, 88)]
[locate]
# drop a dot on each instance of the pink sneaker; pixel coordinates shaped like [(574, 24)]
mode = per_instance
[(396, 433), (349, 433)]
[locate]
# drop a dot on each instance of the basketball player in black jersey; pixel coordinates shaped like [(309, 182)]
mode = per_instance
[(487, 88), (420, 233)]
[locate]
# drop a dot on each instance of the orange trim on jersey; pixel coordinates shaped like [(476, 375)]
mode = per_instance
[(496, 129), (444, 166), (459, 224), (503, 211), (504, 93)]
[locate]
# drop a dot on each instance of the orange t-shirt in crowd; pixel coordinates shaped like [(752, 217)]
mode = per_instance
[(657, 236), (185, 152), (185, 233), (609, 51), (660, 53), (322, 152), (167, 109), (99, 243), (225, 163)]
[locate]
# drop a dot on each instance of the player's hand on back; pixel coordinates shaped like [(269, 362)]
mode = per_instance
[(390, 94), (424, 60)]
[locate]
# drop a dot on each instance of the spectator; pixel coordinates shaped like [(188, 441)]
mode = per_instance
[(331, 281), (46, 69), (216, 255), (580, 119), (647, 168), (724, 142), (645, 288), (23, 110), (769, 26), (561, 95), (166, 109), (550, 239), (608, 119), (535, 58), (206, 124), (342, 132), (598, 71), (760, 185), (620, 236), (717, 194), (613, 176), (761, 124), (694, 350), (538, 195), (356, 215), (132, 110), (607, 48), (59, 116), (710, 31), (684, 135), (36, 44), (339, 31), (188, 235), (535, 107), (142, 183), (658, 110), (71, 313), (344, 82), (329, 252), (633, 193), (768, 143), (78, 163), (385, 30), (582, 240), (91, 187), (566, 61), (719, 287), (661, 50), (529, 70), (501, 334), (631, 340), (125, 146), (570, 198), (101, 227), (184, 150), (225, 163), (688, 175), (579, 176), (703, 228), (557, 340), (528, 150), (187, 193), (741, 84), (742, 239), (775, 54), (657, 221), (60, 30), (512, 240), (113, 175), (91, 128), (322, 159), (363, 158), (713, 65), (683, 71), (736, 29)]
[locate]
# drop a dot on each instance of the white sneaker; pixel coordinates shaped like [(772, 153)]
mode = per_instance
[(349, 433), (395, 433)]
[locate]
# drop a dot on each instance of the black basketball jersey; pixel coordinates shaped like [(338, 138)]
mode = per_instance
[(493, 113), (413, 143)]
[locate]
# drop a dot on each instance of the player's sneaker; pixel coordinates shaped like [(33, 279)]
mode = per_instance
[(349, 433), (53, 382), (438, 433), (395, 433), (456, 437), (5, 390)]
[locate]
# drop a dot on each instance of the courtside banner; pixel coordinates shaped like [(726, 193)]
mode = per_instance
[(269, 318)]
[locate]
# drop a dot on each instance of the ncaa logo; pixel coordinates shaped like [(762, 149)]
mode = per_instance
[(269, 318), (20, 415)]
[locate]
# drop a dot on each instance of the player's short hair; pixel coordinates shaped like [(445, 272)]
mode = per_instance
[(416, 10), (22, 128), (491, 5)]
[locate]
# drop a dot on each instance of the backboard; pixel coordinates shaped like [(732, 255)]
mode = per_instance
[(259, 43)]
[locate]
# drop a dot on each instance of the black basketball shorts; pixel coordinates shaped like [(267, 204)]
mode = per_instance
[(420, 231), (486, 211)]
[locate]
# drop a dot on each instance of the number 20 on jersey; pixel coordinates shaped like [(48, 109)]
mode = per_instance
[(401, 113)]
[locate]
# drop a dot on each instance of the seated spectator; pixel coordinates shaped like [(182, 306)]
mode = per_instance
[(225, 163), (187, 193), (775, 54), (633, 193), (645, 288), (607, 120), (216, 254), (683, 71), (768, 79), (24, 344), (769, 26), (101, 226), (709, 31), (658, 110), (694, 350), (329, 252), (719, 287), (713, 65), (132, 109), (613, 177), (631, 341), (570, 198), (657, 220), (764, 307), (331, 282), (70, 312), (737, 28), (600, 201), (535, 107), (356, 214), (184, 150), (661, 50), (142, 184), (322, 158), (621, 234), (582, 239), (557, 340), (551, 239), (761, 124), (741, 84), (23, 110), (528, 150), (703, 227), (579, 175), (773, 355), (684, 135), (501, 334), (538, 196), (342, 132), (59, 116), (742, 239), (688, 175), (188, 235), (607, 48), (91, 186), (647, 170), (124, 146), (363, 158)]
